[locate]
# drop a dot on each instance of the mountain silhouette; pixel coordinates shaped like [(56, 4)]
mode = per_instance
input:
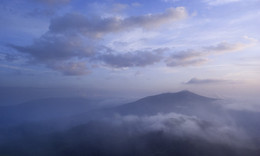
[(45, 109), (183, 102), (179, 102)]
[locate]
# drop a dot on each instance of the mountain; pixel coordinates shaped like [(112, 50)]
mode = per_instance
[(83, 110), (45, 109), (183, 102)]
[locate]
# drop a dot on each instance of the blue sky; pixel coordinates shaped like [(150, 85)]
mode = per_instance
[(132, 47)]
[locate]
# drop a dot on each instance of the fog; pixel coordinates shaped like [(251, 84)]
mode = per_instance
[(181, 123)]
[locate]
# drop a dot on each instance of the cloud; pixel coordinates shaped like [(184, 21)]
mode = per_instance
[(53, 2), (206, 81), (60, 53), (184, 63), (184, 126), (41, 12), (117, 7), (55, 51), (55, 48), (219, 2), (196, 57), (133, 59), (170, 1), (185, 58), (136, 4), (224, 47), (98, 26), (74, 37), (70, 68)]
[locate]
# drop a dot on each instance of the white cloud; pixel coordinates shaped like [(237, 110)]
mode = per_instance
[(207, 81), (199, 56), (219, 2), (185, 126)]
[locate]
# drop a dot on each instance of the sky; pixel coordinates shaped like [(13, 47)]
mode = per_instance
[(129, 48)]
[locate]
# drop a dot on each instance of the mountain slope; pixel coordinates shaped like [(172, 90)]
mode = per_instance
[(184, 102), (45, 109), (167, 102)]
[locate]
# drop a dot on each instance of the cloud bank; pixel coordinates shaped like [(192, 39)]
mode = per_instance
[(73, 40), (206, 81), (98, 26), (219, 2), (181, 125), (199, 56), (133, 59)]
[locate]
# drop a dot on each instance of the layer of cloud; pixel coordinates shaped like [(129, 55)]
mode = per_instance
[(55, 48), (249, 105), (133, 59), (70, 38), (77, 37), (206, 81), (98, 26), (224, 47), (70, 68), (53, 2), (170, 1), (197, 57), (161, 134), (66, 55), (174, 124), (219, 2)]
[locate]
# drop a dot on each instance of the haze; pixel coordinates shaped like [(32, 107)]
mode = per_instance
[(75, 66)]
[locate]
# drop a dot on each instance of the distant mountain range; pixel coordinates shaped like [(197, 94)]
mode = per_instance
[(63, 107), (45, 109)]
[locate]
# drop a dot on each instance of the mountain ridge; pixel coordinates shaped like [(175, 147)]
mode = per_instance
[(180, 95)]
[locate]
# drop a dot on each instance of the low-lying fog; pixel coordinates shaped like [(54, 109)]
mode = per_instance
[(181, 123)]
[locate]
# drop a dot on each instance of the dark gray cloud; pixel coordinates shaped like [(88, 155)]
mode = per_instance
[(73, 37), (53, 2), (55, 51), (52, 47), (193, 62), (47, 12), (133, 59), (200, 56), (98, 26), (206, 81), (44, 8), (70, 38), (67, 55)]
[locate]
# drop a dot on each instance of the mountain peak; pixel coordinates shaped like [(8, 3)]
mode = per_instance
[(167, 102), (185, 92), (185, 95)]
